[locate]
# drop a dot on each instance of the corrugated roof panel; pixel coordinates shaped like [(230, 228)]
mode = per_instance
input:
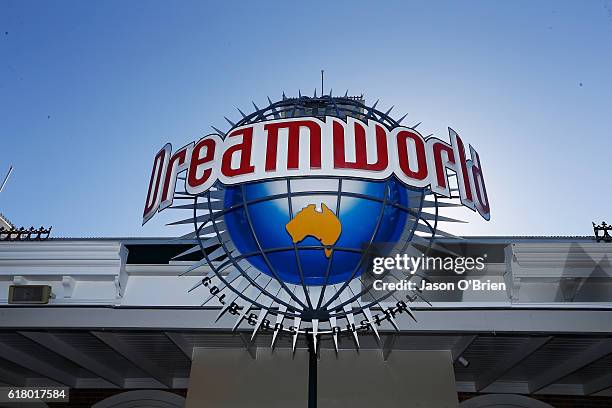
[(485, 353), (156, 347), (97, 350), (550, 355)]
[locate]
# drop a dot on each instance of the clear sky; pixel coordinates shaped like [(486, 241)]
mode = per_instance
[(89, 91)]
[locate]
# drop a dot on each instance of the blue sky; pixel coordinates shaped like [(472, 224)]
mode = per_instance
[(89, 91)]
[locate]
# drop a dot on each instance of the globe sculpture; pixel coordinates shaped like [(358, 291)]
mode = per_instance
[(329, 229), (297, 248)]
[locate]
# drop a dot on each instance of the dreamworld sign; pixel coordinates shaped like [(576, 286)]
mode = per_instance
[(311, 147), (289, 204)]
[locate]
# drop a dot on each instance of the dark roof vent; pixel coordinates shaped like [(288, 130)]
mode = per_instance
[(602, 232)]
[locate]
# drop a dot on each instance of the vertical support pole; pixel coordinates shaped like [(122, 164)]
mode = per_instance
[(312, 372), (322, 71)]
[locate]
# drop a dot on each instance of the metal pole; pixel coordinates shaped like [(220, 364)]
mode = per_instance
[(6, 178), (312, 372), (322, 71)]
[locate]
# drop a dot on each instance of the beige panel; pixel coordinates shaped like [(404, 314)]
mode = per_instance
[(416, 379), (225, 378)]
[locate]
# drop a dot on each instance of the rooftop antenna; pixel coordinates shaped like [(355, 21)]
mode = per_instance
[(6, 178), (322, 71)]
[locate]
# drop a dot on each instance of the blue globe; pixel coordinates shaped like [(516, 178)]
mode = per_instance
[(257, 225)]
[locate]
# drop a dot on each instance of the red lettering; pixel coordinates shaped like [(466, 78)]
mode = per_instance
[(175, 166), (404, 160), (202, 158), (464, 170), (479, 185), (159, 166), (438, 149), (361, 160), (244, 149), (293, 150)]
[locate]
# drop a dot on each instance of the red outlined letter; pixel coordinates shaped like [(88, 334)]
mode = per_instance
[(361, 159), (243, 149), (421, 173), (293, 149), (157, 175), (200, 175), (178, 163)]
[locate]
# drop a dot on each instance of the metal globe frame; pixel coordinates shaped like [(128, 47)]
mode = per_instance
[(315, 310)]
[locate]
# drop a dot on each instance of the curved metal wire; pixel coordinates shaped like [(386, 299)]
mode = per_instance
[(340, 107)]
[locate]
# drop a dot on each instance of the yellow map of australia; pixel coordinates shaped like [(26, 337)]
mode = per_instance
[(322, 225)]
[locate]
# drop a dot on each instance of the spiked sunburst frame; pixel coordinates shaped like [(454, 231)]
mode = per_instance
[(267, 302)]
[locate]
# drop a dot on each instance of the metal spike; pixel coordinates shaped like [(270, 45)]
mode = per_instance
[(330, 92), (264, 311), (187, 252), (195, 266), (221, 133), (425, 228), (232, 124), (284, 297), (189, 236), (297, 322), (274, 336), (415, 126), (370, 318), (269, 100), (217, 253), (213, 228), (260, 318), (394, 323), (402, 118), (315, 93), (356, 338), (335, 337), (240, 286), (245, 309), (349, 315), (284, 97), (428, 216), (242, 113), (246, 306), (370, 114), (201, 218), (197, 285), (433, 204), (211, 242), (223, 287), (411, 313), (346, 94), (198, 206), (255, 106), (315, 329), (279, 321), (333, 323), (299, 93), (389, 111), (367, 313)]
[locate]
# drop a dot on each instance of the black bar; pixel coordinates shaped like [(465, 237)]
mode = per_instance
[(312, 372)]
